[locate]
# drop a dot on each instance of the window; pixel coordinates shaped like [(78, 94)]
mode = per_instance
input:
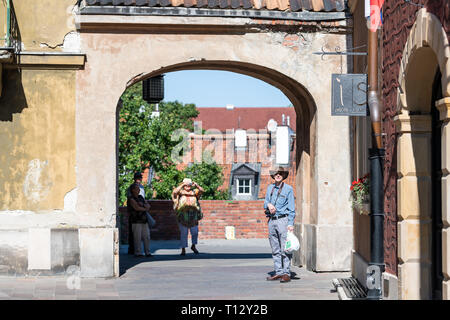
[(244, 186), (244, 181)]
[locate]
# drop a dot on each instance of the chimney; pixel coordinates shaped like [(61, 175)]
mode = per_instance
[(230, 107), (283, 120), (288, 121)]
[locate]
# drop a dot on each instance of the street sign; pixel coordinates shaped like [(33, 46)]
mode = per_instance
[(349, 95)]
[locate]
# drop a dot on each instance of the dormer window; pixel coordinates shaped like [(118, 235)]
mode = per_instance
[(244, 187), (244, 181)]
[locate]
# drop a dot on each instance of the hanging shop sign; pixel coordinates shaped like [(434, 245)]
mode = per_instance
[(349, 95)]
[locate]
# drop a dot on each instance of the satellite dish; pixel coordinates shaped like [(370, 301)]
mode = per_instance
[(272, 125)]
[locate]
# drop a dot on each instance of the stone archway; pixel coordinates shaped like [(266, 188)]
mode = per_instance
[(120, 53), (300, 98), (427, 49)]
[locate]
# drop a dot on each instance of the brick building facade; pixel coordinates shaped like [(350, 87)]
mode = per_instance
[(247, 218), (219, 127), (415, 88)]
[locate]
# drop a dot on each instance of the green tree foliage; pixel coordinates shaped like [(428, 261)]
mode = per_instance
[(166, 180), (209, 176), (146, 142), (134, 132)]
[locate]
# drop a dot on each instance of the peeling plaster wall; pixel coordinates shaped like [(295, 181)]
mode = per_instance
[(43, 24), (38, 224), (40, 231), (37, 162)]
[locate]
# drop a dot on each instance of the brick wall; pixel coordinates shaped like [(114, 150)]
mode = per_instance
[(246, 216), (257, 152)]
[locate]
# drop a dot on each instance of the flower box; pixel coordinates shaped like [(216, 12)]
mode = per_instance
[(364, 209), (360, 195)]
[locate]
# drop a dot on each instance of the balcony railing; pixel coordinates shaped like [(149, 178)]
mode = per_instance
[(12, 36)]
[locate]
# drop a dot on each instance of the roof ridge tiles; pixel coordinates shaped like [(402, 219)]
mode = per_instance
[(275, 5)]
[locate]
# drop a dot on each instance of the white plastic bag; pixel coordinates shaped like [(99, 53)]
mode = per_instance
[(292, 244)]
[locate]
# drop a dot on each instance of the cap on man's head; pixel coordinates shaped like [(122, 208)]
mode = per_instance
[(138, 175), (283, 171)]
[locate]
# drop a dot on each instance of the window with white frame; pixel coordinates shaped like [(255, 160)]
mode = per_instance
[(244, 186)]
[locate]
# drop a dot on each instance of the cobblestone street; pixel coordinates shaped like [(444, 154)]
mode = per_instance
[(224, 270)]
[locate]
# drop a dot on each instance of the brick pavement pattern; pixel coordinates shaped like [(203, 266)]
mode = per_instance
[(224, 270)]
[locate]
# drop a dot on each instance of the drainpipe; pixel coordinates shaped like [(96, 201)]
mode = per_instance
[(376, 159), (8, 23), (8, 28)]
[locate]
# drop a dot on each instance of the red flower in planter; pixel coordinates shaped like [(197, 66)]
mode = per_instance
[(359, 190)]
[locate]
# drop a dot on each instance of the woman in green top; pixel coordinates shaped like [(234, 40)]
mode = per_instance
[(187, 208)]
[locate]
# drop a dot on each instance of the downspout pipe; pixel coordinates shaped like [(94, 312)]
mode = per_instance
[(8, 23), (376, 159), (373, 98)]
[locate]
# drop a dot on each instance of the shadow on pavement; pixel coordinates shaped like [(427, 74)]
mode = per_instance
[(128, 261)]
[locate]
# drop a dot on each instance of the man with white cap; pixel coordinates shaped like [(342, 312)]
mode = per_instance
[(279, 206)]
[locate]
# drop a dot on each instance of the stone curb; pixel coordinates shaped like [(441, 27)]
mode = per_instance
[(340, 290)]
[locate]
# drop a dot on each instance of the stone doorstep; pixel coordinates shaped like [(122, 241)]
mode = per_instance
[(341, 292)]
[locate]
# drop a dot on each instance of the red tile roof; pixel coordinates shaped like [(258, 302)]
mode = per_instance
[(277, 5), (248, 118)]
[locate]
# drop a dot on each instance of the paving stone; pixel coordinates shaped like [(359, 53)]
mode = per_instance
[(44, 286), (224, 270), (89, 297), (108, 294), (22, 296), (44, 292)]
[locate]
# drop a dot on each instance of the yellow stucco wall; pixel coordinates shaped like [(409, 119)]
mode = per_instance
[(37, 113), (37, 139), (42, 23)]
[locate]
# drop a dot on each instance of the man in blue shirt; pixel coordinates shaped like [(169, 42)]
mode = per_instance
[(279, 205)]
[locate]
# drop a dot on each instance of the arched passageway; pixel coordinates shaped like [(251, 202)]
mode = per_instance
[(299, 97), (117, 60)]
